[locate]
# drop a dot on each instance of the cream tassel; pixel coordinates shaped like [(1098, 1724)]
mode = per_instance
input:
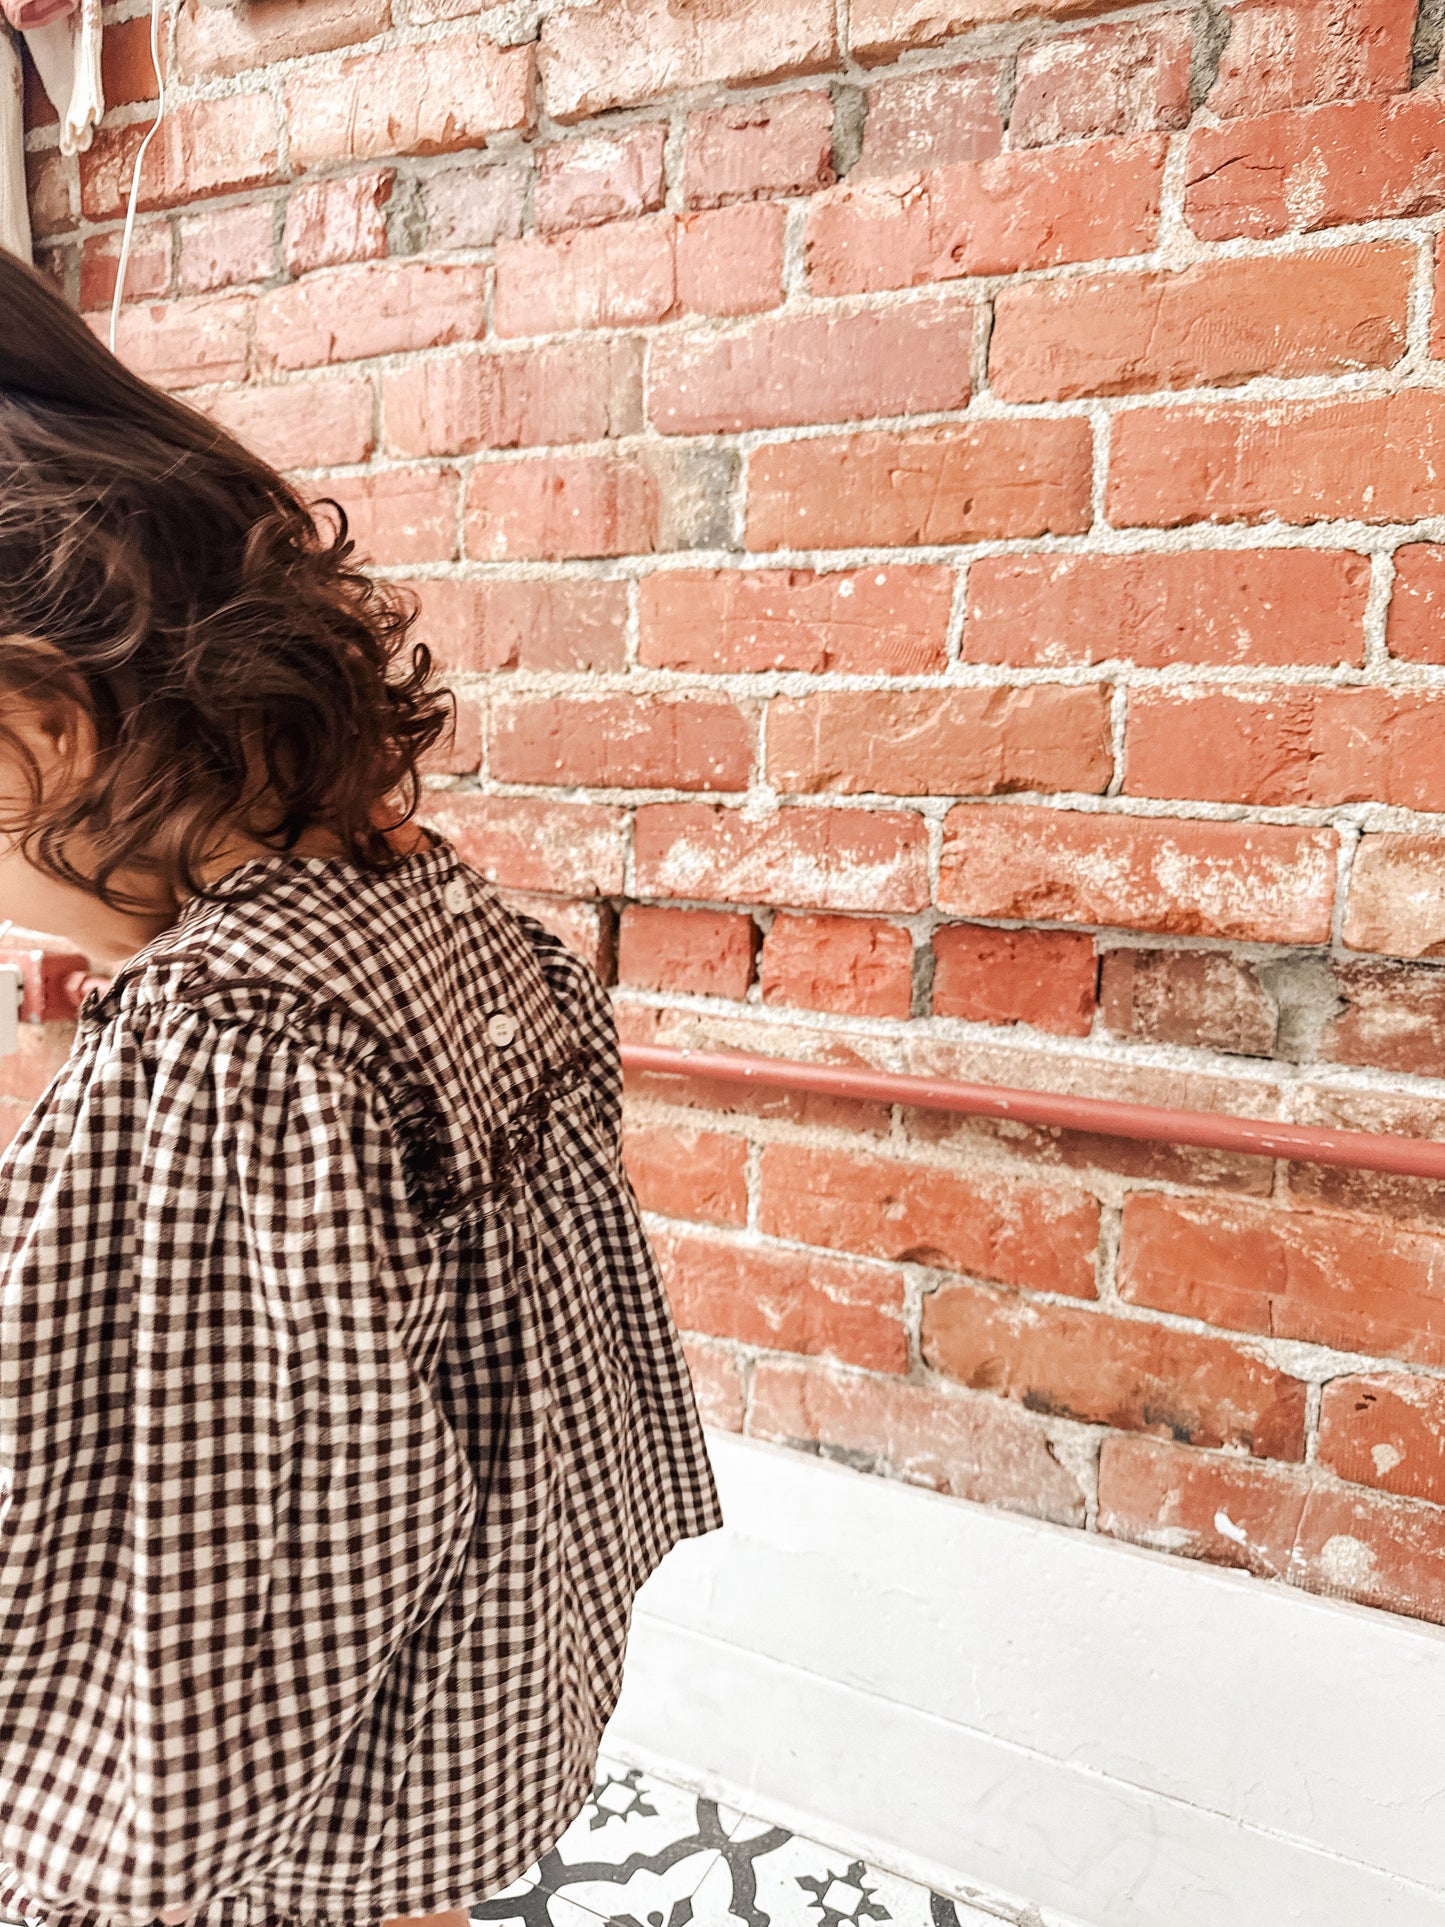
[(87, 100), (66, 53)]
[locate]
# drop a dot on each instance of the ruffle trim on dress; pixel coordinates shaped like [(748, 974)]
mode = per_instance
[(430, 1167)]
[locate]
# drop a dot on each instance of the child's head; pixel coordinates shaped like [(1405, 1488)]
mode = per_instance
[(183, 653)]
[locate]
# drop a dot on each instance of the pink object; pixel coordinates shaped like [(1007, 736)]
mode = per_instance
[(24, 14), (1262, 1137)]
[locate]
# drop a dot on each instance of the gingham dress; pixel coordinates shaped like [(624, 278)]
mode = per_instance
[(341, 1412)]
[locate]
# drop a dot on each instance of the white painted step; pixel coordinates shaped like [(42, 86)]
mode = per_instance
[(979, 1701)]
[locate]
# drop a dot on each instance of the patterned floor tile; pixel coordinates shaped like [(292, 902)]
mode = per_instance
[(767, 1876), (532, 1906), (636, 1852)]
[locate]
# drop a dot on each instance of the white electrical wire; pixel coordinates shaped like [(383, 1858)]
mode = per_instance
[(125, 239)]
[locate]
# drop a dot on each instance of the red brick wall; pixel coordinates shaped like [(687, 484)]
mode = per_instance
[(936, 510)]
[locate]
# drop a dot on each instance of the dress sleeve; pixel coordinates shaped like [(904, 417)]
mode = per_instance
[(222, 1239)]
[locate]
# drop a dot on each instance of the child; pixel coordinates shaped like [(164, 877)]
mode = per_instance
[(341, 1410)]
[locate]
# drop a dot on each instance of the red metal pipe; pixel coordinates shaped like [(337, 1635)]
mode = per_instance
[(1152, 1123)]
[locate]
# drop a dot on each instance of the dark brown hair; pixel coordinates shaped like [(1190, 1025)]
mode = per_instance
[(225, 648)]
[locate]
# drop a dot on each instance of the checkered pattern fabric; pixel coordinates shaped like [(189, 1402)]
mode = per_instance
[(341, 1412)]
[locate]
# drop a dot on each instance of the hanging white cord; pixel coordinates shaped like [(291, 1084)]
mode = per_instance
[(125, 239)]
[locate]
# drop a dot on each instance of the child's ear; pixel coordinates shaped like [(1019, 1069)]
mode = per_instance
[(56, 732)]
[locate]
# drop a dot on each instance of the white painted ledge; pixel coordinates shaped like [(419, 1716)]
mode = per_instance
[(979, 1701)]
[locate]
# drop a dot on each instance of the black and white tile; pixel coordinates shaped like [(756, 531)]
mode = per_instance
[(643, 1853)]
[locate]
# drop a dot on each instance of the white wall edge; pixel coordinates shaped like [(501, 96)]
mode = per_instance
[(1004, 1709)]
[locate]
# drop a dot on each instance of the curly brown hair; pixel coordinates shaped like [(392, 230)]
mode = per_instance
[(228, 653)]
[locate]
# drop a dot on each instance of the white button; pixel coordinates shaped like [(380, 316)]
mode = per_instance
[(457, 897), (501, 1027)]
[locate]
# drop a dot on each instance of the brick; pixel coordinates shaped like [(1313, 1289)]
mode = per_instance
[(459, 753), (717, 1383), (941, 742), (475, 207), (399, 515), (880, 29), (631, 51), (777, 147), (932, 120), (1324, 167), (698, 953), (331, 222), (566, 849), (813, 368), (1308, 747), (1000, 1061), (1388, 1015), (1254, 882), (891, 489), (585, 928), (225, 246), (1036, 1236), (1126, 79), (1386, 1429), (715, 1100), (683, 1171), (1282, 55), (560, 508), (1032, 210), (1227, 606), (1116, 334), (787, 1301), (816, 859), (179, 344), (1437, 320), (618, 276), (599, 177), (148, 272), (1380, 1194), (429, 12), (551, 624), (1352, 1283), (730, 260), (1374, 460), (1044, 978), (565, 391), (213, 41), (373, 308), (127, 74), (889, 621), (1397, 896), (1202, 998), (1416, 631), (204, 147), (1226, 1510), (57, 264), (1105, 1370), (1375, 1550), (303, 424), (432, 98), (857, 966), (972, 1448), (687, 742), (50, 186)]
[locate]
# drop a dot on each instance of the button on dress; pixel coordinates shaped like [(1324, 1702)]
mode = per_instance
[(341, 1412)]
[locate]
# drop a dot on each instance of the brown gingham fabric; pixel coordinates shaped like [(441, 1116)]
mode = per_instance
[(341, 1412)]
